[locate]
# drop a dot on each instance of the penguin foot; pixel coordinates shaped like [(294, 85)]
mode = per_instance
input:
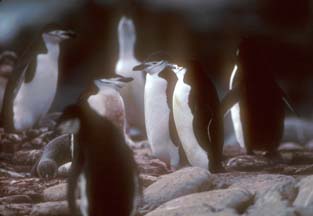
[(250, 152), (274, 156), (248, 163), (216, 168)]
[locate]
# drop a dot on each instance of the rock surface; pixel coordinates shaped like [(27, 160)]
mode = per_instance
[(55, 193), (50, 209), (305, 195), (207, 203), (180, 183), (252, 185)]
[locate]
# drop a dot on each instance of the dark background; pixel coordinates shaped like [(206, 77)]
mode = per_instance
[(209, 30)]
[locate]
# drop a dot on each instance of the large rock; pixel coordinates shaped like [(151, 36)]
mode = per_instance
[(217, 202), (274, 202), (15, 199), (55, 193), (11, 174), (305, 195), (15, 209), (202, 211), (304, 211), (51, 209), (183, 182), (25, 157), (261, 183), (64, 170)]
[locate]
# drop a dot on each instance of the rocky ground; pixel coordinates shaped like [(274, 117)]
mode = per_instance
[(252, 185)]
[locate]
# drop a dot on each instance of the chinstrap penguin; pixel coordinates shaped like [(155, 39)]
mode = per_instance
[(55, 153), (160, 126), (109, 103), (33, 84), (132, 93), (109, 179), (198, 118), (258, 116)]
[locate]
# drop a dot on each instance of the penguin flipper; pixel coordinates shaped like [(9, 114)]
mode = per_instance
[(287, 100), (76, 170), (172, 79), (31, 70), (14, 84), (175, 138), (229, 100)]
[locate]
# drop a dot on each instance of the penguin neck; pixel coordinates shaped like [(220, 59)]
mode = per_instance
[(181, 74), (53, 50), (126, 49)]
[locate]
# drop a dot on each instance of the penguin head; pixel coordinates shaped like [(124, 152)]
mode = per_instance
[(47, 169), (152, 67), (179, 71), (57, 36), (117, 82), (126, 30)]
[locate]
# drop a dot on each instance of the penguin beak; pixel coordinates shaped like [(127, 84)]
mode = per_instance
[(68, 34), (140, 67), (125, 79)]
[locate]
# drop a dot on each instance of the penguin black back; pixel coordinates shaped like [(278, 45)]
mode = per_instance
[(23, 72), (107, 163), (262, 107), (260, 97), (208, 120)]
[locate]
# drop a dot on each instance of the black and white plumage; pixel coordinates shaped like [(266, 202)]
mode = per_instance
[(33, 84), (258, 116), (132, 93), (159, 121), (197, 115), (109, 180)]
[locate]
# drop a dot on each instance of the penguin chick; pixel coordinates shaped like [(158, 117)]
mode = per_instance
[(55, 153)]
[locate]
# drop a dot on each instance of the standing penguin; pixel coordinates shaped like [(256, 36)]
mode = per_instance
[(109, 176), (197, 116), (258, 118), (160, 127), (32, 86), (235, 111), (132, 93)]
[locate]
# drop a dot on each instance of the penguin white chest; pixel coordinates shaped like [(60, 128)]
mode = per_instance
[(133, 92), (235, 115), (183, 118), (235, 112), (35, 98), (157, 120), (109, 103)]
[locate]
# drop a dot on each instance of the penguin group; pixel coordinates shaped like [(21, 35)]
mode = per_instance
[(176, 106), (189, 129)]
